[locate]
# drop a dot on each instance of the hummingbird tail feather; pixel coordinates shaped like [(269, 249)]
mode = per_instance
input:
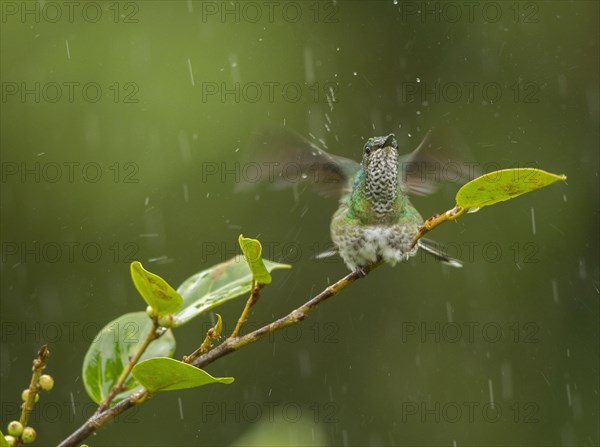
[(436, 250)]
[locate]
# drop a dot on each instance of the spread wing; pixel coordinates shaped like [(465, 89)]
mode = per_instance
[(440, 157), (290, 160)]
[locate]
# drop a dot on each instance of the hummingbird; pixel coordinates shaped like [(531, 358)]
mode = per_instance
[(375, 219)]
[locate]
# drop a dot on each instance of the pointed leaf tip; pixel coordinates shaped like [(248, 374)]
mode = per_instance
[(164, 374), (156, 291), (502, 185), (252, 250)]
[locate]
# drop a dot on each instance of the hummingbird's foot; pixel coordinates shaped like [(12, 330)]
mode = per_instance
[(360, 271)]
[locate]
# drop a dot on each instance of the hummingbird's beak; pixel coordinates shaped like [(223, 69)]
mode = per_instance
[(390, 140)]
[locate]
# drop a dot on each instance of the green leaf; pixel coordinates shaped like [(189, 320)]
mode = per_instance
[(499, 186), (3, 441), (110, 351), (488, 189), (253, 254), (212, 287), (163, 374), (156, 292), (218, 327)]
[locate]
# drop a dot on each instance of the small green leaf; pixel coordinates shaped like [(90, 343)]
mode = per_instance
[(253, 254), (156, 292), (163, 374), (110, 351), (3, 441), (218, 327), (488, 189), (499, 186), (212, 287)]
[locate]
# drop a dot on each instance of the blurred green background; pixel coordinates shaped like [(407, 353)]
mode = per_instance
[(381, 364)]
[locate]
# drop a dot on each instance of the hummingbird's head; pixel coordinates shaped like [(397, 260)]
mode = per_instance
[(379, 179), (380, 155)]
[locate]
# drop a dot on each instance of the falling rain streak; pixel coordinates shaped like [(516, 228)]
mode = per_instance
[(191, 72)]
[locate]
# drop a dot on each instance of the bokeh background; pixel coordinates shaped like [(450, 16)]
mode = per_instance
[(155, 94)]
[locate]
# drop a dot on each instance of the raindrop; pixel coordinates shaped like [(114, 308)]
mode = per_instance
[(180, 408), (449, 311), (355, 73), (191, 72), (533, 220), (309, 66), (582, 269), (473, 210), (68, 51), (72, 402), (418, 80), (554, 291)]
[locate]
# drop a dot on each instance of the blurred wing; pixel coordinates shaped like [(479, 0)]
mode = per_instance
[(440, 157), (291, 161), (437, 250)]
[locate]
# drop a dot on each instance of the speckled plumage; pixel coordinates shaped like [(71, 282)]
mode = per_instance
[(376, 219)]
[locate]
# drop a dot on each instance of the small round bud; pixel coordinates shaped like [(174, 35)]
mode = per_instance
[(28, 435), (46, 382), (12, 442), (165, 320), (150, 312), (15, 428), (25, 395)]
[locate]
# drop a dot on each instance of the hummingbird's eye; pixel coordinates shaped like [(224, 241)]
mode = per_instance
[(367, 149)]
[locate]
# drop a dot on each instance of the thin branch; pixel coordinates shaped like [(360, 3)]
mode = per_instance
[(294, 317), (34, 386), (212, 335), (230, 345), (99, 420), (254, 295), (119, 386)]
